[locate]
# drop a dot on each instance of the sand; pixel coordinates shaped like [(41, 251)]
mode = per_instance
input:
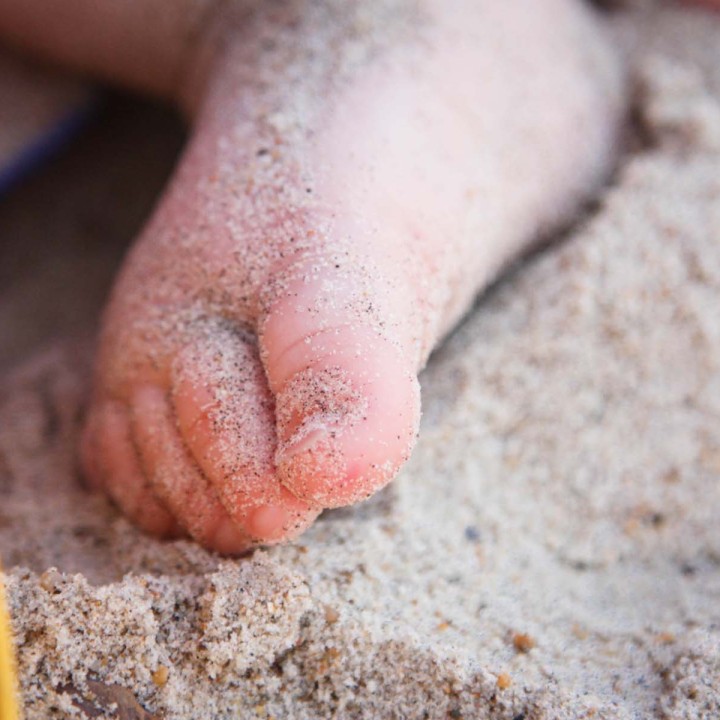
[(551, 550)]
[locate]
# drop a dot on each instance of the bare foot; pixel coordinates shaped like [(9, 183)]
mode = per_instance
[(357, 172)]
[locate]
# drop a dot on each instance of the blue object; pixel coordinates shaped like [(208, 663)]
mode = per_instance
[(47, 144)]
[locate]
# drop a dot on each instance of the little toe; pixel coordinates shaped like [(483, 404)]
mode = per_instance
[(225, 414), (176, 477), (111, 462)]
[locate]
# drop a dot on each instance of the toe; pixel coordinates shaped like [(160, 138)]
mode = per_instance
[(176, 477), (347, 405), (226, 416), (111, 461)]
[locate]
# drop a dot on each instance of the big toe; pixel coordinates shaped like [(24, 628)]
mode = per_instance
[(347, 398)]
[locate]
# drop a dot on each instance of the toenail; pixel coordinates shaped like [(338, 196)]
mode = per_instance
[(311, 442), (229, 538), (316, 470), (268, 522)]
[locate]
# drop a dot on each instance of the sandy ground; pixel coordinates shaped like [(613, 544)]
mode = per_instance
[(551, 551)]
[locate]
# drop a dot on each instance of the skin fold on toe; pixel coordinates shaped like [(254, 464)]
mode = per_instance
[(357, 172)]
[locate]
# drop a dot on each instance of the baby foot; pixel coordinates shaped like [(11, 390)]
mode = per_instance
[(357, 173)]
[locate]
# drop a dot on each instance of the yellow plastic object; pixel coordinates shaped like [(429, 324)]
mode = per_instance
[(8, 674)]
